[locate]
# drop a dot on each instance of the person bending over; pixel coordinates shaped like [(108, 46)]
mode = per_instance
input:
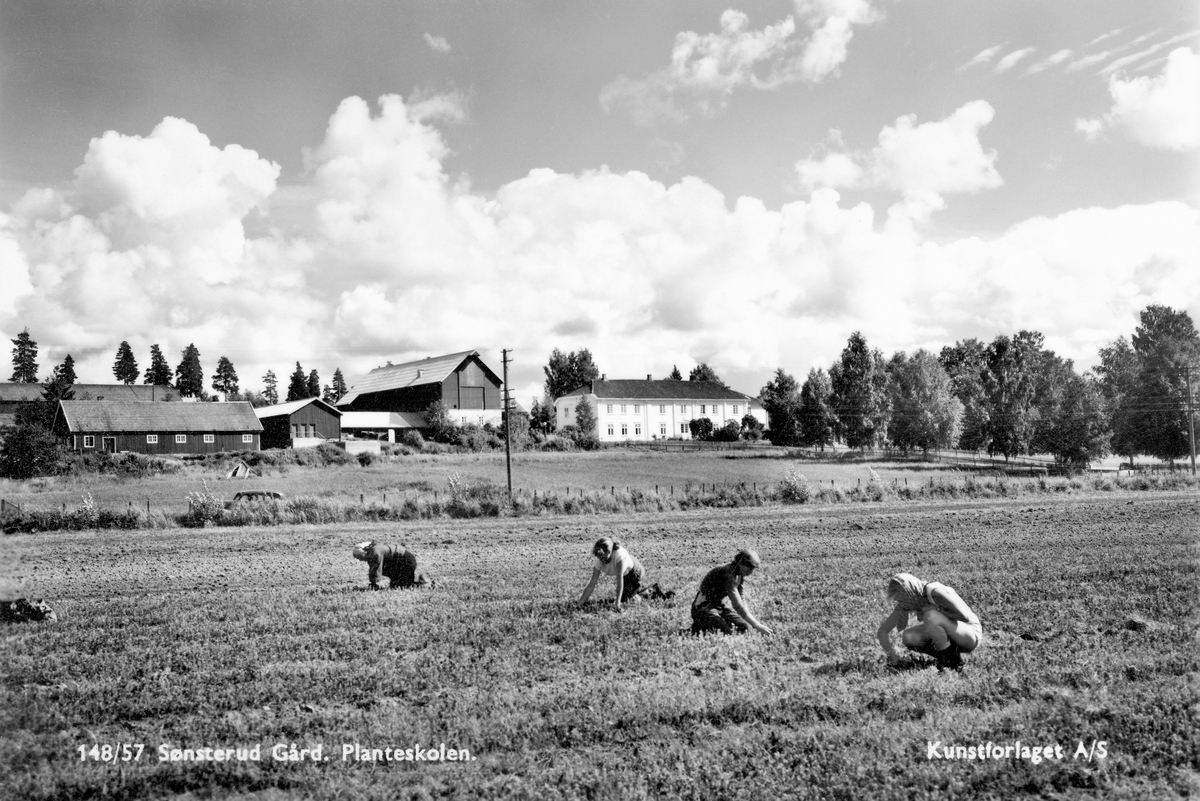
[(614, 559), (709, 610), (946, 627), (398, 565)]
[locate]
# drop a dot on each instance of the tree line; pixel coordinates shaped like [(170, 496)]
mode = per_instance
[(1012, 396), (187, 378), (1009, 397)]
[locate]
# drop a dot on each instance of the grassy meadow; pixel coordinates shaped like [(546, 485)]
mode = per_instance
[(540, 472), (241, 637)]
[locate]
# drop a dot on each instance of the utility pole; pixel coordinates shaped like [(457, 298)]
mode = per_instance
[(1187, 375), (508, 425)]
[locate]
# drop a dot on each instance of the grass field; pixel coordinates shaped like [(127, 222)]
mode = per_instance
[(531, 471), (244, 637)]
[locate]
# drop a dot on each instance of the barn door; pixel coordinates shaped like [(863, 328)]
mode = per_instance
[(108, 444)]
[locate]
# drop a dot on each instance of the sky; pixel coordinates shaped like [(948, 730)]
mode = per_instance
[(345, 183)]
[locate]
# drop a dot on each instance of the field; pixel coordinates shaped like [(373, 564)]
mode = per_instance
[(262, 637), (543, 472)]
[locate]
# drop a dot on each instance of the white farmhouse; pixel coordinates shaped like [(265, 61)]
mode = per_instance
[(639, 411)]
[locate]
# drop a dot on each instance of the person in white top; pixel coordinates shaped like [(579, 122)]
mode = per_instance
[(946, 627), (614, 559)]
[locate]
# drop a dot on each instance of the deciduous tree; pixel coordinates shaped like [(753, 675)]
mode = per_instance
[(925, 413), (702, 372), (781, 400), (568, 371), (966, 363), (860, 401), (815, 415)]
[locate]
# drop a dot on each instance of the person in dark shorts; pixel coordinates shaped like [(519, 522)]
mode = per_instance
[(946, 627), (709, 610), (614, 559), (398, 565)]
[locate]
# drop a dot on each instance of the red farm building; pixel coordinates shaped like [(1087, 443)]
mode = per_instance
[(165, 429)]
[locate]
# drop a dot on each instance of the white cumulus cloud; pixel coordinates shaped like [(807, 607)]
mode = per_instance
[(1161, 111), (705, 69), (922, 161), (437, 44), (404, 262)]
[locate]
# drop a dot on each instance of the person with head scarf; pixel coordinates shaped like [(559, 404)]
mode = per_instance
[(614, 559), (398, 565), (946, 627), (710, 612)]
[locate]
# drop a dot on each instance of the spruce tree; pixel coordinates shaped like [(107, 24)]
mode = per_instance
[(225, 380), (298, 385), (65, 372), (24, 359), (314, 385), (159, 372), (125, 367), (339, 385), (271, 387), (189, 374)]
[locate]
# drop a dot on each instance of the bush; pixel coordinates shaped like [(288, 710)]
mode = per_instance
[(793, 487), (30, 451), (412, 438), (365, 458)]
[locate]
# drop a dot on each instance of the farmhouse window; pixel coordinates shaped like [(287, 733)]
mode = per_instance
[(735, 408), (464, 419), (624, 429), (610, 429), (637, 408), (662, 409), (608, 409), (152, 439), (89, 441), (622, 408), (662, 429), (247, 438), (481, 419), (683, 429), (683, 410), (637, 429), (209, 439), (702, 408), (181, 439)]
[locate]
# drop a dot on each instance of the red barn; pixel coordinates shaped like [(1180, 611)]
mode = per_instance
[(470, 390), (158, 428)]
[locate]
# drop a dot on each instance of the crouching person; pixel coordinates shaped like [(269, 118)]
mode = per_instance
[(614, 559), (709, 610), (398, 565), (946, 627)]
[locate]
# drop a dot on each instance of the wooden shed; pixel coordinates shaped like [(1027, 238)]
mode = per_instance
[(299, 424), (158, 428)]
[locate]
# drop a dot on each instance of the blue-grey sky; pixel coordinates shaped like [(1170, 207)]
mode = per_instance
[(343, 183)]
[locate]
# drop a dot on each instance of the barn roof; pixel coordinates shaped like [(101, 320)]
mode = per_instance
[(23, 393), (433, 370), (667, 389), (96, 416), (281, 409)]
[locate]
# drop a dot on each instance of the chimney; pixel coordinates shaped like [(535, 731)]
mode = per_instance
[(419, 373), (603, 376), (648, 378)]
